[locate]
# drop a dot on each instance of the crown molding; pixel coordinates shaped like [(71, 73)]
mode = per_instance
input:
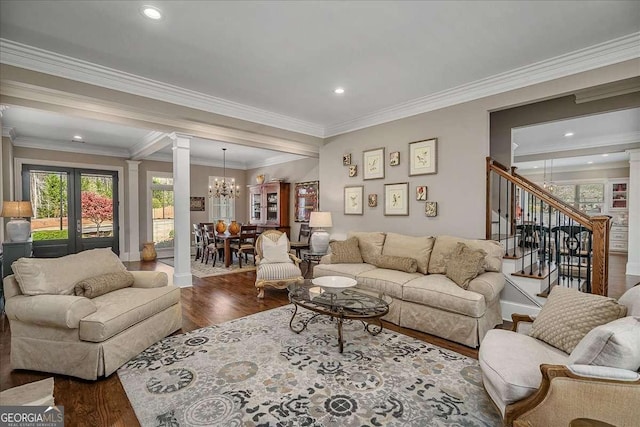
[(576, 168), (168, 158), (579, 144), (10, 133), (44, 61), (611, 52), (152, 142), (275, 160), (70, 147)]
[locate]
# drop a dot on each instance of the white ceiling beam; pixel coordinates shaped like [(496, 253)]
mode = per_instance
[(76, 147), (154, 141)]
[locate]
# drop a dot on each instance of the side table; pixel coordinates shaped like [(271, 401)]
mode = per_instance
[(308, 258)]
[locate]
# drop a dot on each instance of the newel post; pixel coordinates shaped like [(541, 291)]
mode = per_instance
[(600, 273), (488, 200)]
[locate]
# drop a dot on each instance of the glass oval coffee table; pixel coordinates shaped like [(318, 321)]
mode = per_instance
[(339, 305)]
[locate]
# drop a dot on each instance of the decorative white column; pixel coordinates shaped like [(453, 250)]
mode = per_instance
[(633, 256), (133, 213), (182, 227)]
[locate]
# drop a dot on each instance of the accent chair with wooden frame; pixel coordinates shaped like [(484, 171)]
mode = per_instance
[(534, 384), (246, 243), (275, 275)]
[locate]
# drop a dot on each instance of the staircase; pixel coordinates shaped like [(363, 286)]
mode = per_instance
[(547, 241)]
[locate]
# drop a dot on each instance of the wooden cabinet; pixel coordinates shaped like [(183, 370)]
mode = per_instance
[(619, 238), (269, 206), (619, 194)]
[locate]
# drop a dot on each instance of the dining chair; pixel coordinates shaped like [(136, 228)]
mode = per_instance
[(246, 243), (212, 246), (303, 239), (197, 241)]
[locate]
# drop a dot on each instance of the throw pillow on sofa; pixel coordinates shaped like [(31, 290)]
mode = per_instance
[(390, 262), (615, 344), (569, 315), (103, 284), (445, 245), (370, 244), (464, 264), (416, 247), (345, 251)]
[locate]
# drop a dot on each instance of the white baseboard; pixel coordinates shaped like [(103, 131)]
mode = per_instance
[(184, 280), (633, 268), (130, 256), (508, 308)]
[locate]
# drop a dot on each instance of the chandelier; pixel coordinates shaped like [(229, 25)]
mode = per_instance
[(223, 188), (548, 185)]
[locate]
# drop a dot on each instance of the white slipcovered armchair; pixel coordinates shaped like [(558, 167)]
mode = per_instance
[(535, 384), (276, 266)]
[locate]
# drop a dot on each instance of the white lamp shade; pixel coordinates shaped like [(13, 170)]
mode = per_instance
[(320, 220)]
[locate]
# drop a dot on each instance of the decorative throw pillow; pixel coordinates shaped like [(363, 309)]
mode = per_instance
[(275, 252), (615, 344), (345, 251), (103, 284), (370, 243), (417, 247), (464, 264), (445, 245), (569, 315), (406, 264)]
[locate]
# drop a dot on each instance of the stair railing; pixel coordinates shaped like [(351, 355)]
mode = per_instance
[(546, 233)]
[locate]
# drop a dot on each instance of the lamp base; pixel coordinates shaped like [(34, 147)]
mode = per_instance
[(319, 241), (18, 230)]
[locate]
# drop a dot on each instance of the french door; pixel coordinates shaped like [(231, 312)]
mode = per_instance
[(74, 209)]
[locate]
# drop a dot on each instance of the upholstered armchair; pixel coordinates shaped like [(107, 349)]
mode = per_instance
[(535, 384), (276, 266)]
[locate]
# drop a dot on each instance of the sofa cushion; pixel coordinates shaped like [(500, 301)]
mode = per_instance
[(418, 248), (58, 276), (345, 251), (464, 264), (615, 344), (100, 285), (400, 263), (568, 315), (278, 271), (346, 270), (436, 290), (488, 284), (631, 300), (389, 282), (370, 244), (121, 309), (511, 363), (445, 245)]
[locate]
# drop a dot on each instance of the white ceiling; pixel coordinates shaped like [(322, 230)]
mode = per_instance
[(277, 62), (582, 163), (285, 58)]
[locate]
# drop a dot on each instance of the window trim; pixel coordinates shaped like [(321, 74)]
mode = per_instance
[(150, 175)]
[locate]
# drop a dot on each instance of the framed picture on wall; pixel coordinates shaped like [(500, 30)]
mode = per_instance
[(353, 199), (373, 164), (396, 199), (373, 200), (394, 158), (307, 195), (353, 170), (346, 159), (421, 192), (196, 204), (423, 157)]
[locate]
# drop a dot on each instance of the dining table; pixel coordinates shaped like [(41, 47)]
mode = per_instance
[(227, 238)]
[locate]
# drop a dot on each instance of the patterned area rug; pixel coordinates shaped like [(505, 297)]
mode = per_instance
[(201, 270), (255, 371)]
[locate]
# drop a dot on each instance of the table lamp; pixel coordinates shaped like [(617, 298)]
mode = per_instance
[(18, 229), (319, 240)]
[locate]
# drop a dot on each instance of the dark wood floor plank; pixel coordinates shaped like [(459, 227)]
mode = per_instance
[(211, 300)]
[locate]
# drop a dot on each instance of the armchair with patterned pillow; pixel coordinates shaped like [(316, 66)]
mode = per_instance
[(276, 267), (578, 359)]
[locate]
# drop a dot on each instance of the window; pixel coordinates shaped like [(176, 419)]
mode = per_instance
[(589, 198), (162, 215), (220, 207)]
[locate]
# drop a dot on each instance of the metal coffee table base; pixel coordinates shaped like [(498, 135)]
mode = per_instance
[(339, 315)]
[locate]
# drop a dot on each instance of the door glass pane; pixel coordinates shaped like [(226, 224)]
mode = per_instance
[(49, 198), (97, 206), (162, 218)]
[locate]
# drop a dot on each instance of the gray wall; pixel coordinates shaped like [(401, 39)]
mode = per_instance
[(463, 143)]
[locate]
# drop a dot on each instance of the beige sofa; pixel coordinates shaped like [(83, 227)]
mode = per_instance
[(427, 300), (530, 381), (53, 330)]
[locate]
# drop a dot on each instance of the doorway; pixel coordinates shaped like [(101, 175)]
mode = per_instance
[(74, 209)]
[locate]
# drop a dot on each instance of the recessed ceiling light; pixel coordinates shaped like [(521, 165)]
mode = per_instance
[(151, 12), (339, 90), (590, 163), (568, 134), (78, 137), (535, 167), (605, 155)]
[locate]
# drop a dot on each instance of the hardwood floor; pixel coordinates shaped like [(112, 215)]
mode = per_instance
[(210, 301)]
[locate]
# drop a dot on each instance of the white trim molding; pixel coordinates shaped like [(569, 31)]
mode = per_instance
[(611, 52)]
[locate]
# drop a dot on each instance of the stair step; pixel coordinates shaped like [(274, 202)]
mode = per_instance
[(519, 253), (537, 273)]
